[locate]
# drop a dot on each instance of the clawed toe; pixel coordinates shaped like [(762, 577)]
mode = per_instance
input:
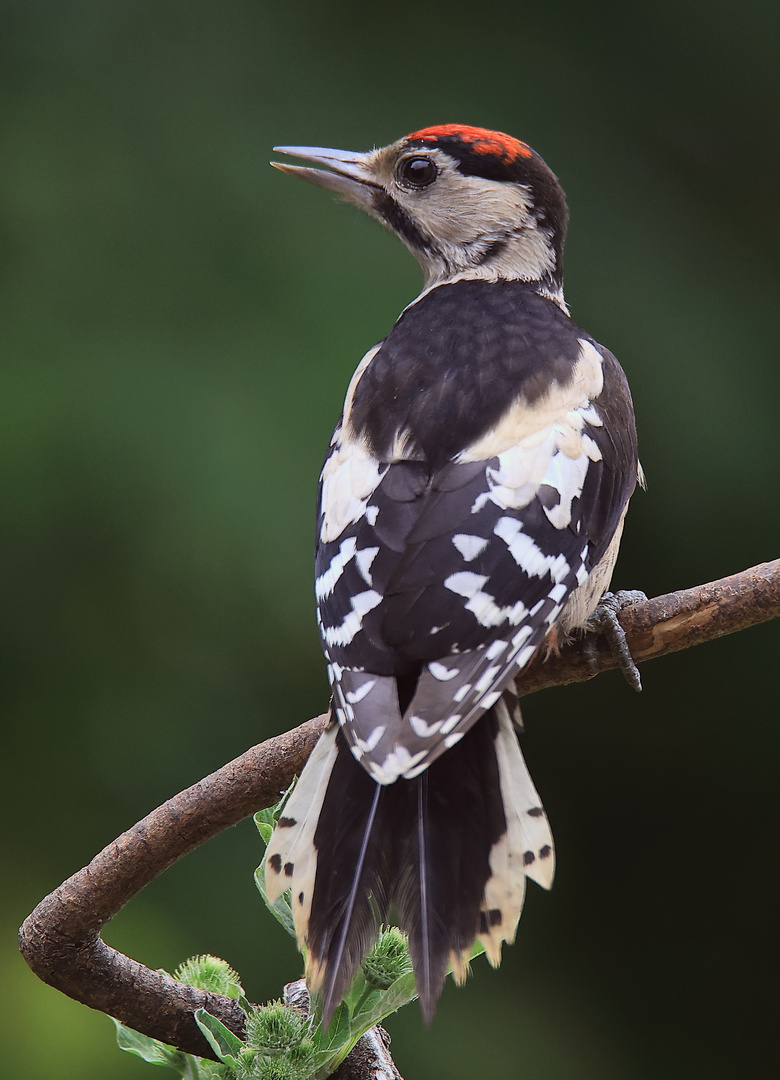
[(604, 621)]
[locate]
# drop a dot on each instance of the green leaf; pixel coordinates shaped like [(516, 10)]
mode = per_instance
[(222, 1040), (265, 821), (383, 1003), (361, 1010), (335, 1042), (329, 1039), (155, 1052)]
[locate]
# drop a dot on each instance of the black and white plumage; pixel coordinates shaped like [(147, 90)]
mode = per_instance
[(471, 503)]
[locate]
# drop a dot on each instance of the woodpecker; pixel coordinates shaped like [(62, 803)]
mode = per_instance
[(470, 510)]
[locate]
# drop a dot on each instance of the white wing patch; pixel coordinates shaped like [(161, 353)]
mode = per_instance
[(526, 554), (567, 476), (364, 559), (441, 671), (482, 604), (350, 477), (526, 426), (326, 583), (353, 620), (469, 546)]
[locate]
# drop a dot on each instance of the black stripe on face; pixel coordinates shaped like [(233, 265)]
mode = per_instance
[(492, 251), (399, 221), (472, 162)]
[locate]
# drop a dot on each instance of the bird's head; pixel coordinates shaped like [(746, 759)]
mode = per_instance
[(467, 202)]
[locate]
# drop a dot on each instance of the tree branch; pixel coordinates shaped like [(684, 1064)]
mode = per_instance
[(669, 623), (61, 940)]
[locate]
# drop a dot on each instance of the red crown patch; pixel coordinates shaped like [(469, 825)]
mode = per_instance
[(478, 140)]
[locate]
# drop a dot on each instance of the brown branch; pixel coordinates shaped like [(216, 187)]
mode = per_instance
[(668, 624), (61, 939)]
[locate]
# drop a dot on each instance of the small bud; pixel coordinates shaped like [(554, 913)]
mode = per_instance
[(209, 973), (388, 960), (277, 1068), (279, 1039)]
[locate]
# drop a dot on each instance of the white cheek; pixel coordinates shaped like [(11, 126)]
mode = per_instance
[(469, 209)]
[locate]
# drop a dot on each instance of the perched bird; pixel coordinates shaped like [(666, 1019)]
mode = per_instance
[(471, 506)]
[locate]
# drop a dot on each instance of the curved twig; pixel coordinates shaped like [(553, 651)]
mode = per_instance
[(61, 939)]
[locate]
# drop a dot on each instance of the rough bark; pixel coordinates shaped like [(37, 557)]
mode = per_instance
[(61, 939)]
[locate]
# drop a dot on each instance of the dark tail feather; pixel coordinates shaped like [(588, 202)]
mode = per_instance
[(428, 977), (422, 847), (349, 898), (442, 858), (347, 951)]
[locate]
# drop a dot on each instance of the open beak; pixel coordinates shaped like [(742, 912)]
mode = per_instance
[(348, 172)]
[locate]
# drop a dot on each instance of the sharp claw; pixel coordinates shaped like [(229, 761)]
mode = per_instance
[(604, 620)]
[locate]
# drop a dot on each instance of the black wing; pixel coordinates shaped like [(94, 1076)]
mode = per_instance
[(436, 583)]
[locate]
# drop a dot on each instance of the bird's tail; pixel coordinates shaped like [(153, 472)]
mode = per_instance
[(448, 852)]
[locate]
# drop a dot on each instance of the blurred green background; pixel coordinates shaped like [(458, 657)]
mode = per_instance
[(180, 323)]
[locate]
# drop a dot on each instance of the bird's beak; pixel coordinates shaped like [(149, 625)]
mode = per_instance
[(348, 172)]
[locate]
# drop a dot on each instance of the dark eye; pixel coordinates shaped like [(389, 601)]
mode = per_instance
[(417, 172)]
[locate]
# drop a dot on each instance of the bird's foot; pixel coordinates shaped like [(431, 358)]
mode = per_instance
[(604, 621)]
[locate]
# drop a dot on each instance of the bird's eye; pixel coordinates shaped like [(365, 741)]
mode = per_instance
[(417, 172)]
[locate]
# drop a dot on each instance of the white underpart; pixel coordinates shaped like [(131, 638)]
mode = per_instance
[(591, 587)]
